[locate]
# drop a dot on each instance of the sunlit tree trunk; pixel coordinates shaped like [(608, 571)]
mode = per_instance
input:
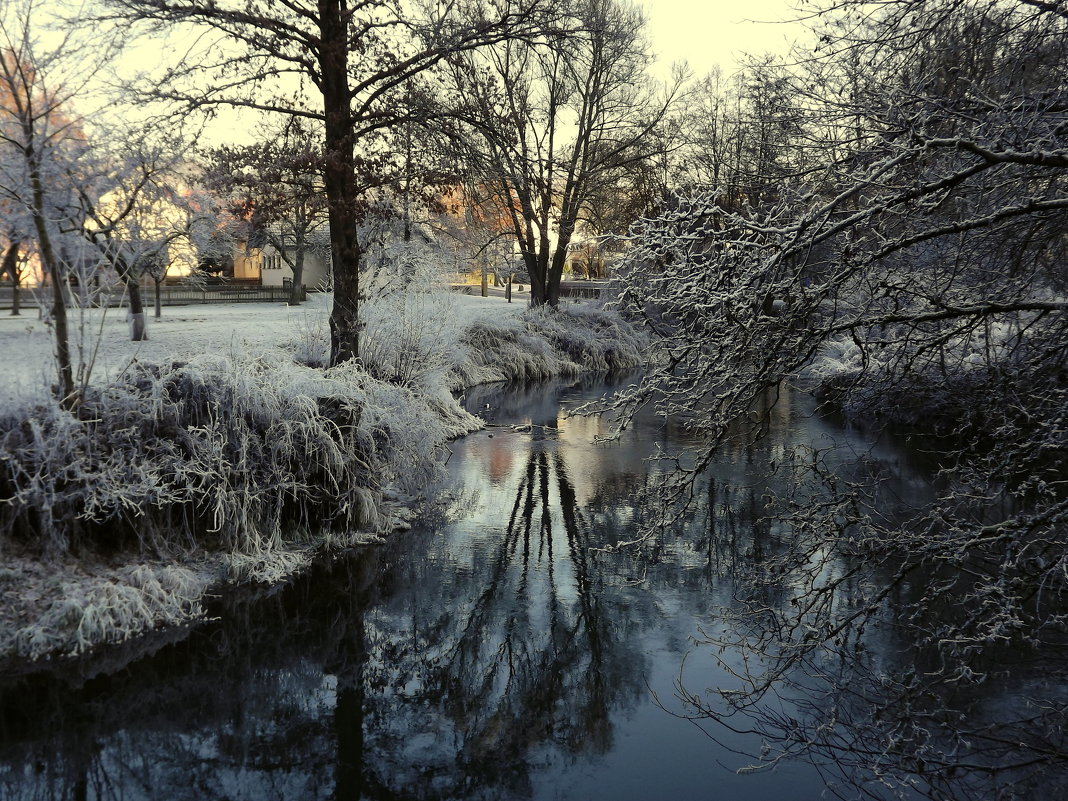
[(133, 294), (11, 267)]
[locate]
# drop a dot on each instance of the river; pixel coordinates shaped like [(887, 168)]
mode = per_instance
[(493, 652)]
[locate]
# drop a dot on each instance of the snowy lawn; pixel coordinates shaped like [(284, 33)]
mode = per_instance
[(221, 450), (27, 363)]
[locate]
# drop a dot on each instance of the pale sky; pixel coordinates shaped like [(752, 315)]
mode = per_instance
[(709, 32), (704, 33)]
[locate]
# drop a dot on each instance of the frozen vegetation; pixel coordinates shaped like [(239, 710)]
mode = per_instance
[(222, 450)]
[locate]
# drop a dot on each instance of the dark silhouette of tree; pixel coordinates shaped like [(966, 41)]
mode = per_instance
[(556, 120), (277, 184)]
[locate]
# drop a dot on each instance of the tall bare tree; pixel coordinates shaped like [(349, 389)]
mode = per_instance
[(342, 63), (558, 117)]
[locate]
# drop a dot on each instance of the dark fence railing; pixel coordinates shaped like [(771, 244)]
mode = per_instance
[(182, 295), (582, 289), (573, 290), (169, 296)]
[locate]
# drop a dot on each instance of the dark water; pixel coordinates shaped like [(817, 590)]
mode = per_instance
[(493, 652)]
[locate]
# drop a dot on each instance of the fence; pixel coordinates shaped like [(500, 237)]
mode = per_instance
[(582, 289), (169, 296), (184, 295), (569, 290)]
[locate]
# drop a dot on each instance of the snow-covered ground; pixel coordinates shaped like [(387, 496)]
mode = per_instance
[(100, 336)]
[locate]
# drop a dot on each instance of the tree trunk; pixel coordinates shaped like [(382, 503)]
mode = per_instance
[(538, 295), (137, 305), (159, 303), (556, 270), (59, 307), (339, 179), (298, 276), (11, 267)]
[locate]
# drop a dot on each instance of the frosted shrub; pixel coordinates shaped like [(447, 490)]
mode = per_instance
[(936, 388), (593, 338), (545, 342), (406, 432), (267, 566), (242, 450), (506, 350), (139, 598), (407, 335), (310, 343)]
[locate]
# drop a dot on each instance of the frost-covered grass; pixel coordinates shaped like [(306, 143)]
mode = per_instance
[(230, 451), (123, 605), (546, 342), (100, 337), (224, 441), (923, 388)]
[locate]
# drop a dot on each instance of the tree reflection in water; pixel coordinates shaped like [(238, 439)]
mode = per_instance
[(382, 676), (519, 656), (496, 652)]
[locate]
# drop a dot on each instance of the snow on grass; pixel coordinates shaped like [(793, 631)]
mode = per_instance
[(76, 610), (223, 439), (901, 378)]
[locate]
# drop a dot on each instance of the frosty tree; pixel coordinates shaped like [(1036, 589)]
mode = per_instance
[(914, 276), (277, 185), (42, 147)]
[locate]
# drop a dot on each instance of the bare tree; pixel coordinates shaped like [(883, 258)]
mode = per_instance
[(281, 191), (167, 226), (41, 143), (295, 59), (744, 136), (112, 202), (557, 118)]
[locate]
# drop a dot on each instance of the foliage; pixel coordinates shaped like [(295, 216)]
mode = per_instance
[(914, 277)]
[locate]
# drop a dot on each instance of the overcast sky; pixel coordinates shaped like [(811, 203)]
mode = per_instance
[(703, 33), (709, 32)]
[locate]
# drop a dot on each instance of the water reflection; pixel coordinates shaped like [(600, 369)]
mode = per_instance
[(498, 651)]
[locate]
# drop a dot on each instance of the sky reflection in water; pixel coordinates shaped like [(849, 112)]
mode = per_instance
[(493, 652)]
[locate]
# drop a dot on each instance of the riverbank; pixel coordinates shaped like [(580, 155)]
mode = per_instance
[(220, 451)]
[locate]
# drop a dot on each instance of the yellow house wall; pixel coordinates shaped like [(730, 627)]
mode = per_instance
[(247, 266)]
